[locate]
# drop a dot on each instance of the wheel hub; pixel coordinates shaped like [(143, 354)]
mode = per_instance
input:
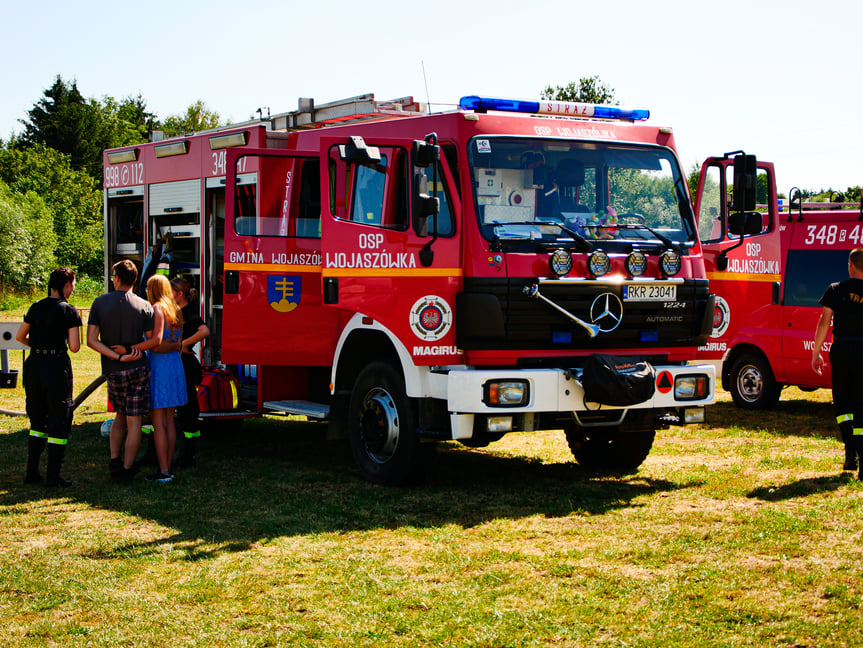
[(379, 425), (750, 383)]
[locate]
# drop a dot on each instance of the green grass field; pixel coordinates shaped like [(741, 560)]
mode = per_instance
[(739, 532)]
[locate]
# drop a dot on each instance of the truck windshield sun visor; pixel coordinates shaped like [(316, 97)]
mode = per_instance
[(587, 192)]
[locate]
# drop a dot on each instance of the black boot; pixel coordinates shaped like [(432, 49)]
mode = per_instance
[(35, 446), (55, 458), (149, 458), (187, 455), (850, 449), (858, 444), (115, 467)]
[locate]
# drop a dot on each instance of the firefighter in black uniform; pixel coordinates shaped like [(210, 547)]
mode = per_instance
[(50, 327), (843, 304), (194, 330)]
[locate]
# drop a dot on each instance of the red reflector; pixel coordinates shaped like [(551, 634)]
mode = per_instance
[(368, 321)]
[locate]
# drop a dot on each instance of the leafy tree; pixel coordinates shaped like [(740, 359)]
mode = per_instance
[(82, 128), (26, 240), (585, 90), (197, 117), (71, 197), (692, 179), (128, 121), (66, 122)]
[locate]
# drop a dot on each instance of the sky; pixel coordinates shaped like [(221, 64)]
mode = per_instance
[(778, 80)]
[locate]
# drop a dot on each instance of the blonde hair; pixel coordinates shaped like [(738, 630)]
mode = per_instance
[(159, 293)]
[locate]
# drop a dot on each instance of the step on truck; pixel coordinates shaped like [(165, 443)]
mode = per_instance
[(768, 268), (411, 277)]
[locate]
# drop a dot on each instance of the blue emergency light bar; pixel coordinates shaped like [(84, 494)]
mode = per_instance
[(558, 108)]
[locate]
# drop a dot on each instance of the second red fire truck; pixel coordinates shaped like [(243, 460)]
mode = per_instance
[(768, 271), (413, 277)]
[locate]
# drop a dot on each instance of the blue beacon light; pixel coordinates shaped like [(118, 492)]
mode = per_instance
[(559, 108)]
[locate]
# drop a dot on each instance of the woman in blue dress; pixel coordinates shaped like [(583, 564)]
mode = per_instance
[(167, 380)]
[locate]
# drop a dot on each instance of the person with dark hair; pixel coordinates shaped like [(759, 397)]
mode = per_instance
[(194, 330), (843, 305), (121, 328), (51, 326)]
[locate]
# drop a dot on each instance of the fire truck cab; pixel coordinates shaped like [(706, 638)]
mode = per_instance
[(413, 277), (768, 269)]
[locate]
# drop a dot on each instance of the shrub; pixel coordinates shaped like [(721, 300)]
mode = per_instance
[(27, 240)]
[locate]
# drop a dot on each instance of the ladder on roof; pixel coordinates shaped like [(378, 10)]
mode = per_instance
[(308, 115), (345, 111)]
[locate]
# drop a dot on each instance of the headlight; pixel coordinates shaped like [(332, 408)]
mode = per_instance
[(599, 264), (691, 387), (693, 415), (496, 424), (506, 393), (669, 263)]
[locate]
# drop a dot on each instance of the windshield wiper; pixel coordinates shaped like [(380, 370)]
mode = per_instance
[(667, 242), (585, 244)]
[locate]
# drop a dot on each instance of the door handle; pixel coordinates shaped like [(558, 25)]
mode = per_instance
[(232, 282)]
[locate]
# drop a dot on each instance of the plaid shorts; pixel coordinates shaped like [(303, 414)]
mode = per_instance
[(129, 391)]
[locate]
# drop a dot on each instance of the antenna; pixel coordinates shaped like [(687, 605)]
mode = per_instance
[(425, 81)]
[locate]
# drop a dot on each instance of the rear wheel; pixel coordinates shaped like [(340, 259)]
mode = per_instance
[(752, 383), (382, 427), (610, 449)]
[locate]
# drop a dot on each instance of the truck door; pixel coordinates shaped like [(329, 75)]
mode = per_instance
[(744, 272), (273, 313), (380, 258)]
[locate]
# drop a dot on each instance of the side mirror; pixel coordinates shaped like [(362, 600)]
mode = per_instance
[(424, 154), (745, 183), (425, 205), (356, 151), (744, 223)]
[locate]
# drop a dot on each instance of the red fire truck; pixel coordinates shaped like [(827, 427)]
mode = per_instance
[(413, 277), (768, 269)]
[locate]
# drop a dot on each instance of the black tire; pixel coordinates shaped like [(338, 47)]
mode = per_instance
[(752, 384), (609, 449), (382, 428)]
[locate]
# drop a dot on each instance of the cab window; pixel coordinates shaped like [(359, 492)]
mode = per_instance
[(716, 198), (710, 221), (371, 193), (290, 207)]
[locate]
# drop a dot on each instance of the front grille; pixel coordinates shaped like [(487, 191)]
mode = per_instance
[(497, 314)]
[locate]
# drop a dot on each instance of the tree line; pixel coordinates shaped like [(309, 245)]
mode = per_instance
[(51, 178)]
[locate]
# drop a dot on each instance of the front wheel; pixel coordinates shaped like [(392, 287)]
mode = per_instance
[(752, 383), (382, 427), (609, 449)]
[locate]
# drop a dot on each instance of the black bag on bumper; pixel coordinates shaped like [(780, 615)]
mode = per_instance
[(613, 380)]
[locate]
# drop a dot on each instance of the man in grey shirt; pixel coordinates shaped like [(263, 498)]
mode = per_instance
[(120, 327)]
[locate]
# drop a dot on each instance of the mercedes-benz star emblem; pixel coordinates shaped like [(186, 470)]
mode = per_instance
[(606, 312)]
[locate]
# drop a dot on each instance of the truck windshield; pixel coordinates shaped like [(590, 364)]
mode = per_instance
[(596, 191)]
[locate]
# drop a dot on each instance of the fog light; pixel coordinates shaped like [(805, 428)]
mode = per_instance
[(693, 415), (669, 263), (636, 264), (599, 264), (506, 393), (560, 262), (500, 424), (691, 387)]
